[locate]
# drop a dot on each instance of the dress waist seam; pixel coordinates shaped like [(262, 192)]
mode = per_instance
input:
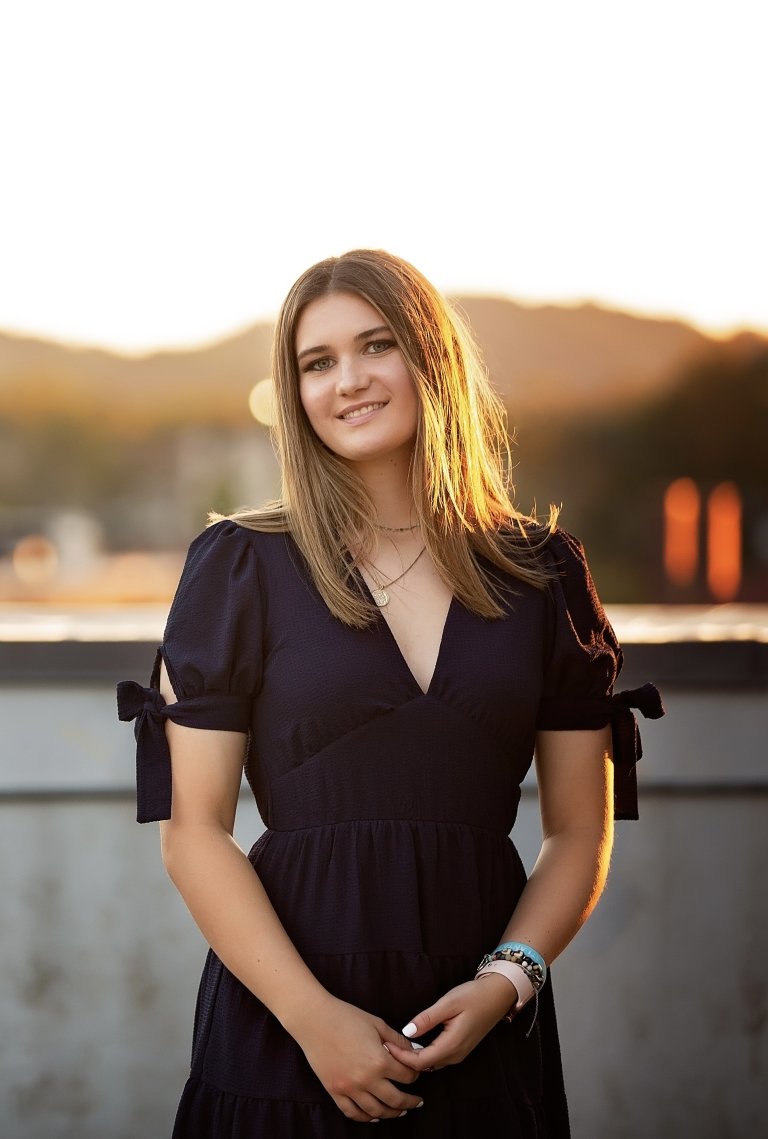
[(413, 821)]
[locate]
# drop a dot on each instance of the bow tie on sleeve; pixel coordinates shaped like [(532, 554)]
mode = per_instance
[(627, 746), (153, 759), (216, 711)]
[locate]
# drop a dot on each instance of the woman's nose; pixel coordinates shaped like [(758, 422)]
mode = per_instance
[(351, 376)]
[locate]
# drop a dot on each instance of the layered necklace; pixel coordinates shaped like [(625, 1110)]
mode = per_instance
[(379, 594), (396, 529)]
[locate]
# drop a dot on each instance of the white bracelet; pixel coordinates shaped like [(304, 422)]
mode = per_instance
[(516, 976)]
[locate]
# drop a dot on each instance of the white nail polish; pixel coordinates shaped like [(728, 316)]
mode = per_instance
[(416, 1047), (410, 1029)]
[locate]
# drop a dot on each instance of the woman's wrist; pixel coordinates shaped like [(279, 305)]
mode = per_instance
[(505, 989), (521, 968), (516, 978), (304, 1004)]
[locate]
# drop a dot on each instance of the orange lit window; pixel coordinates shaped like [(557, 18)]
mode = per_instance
[(682, 511), (724, 542)]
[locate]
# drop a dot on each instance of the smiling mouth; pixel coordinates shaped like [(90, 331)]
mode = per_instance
[(358, 412)]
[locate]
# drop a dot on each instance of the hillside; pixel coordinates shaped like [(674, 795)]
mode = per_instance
[(207, 385), (586, 356)]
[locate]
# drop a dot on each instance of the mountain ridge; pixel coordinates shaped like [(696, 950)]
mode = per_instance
[(541, 358)]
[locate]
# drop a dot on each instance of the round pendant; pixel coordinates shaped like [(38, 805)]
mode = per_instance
[(381, 597)]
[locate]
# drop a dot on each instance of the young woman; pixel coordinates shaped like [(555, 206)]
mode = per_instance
[(382, 649)]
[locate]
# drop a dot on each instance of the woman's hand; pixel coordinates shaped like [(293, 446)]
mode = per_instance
[(351, 1053), (467, 1013)]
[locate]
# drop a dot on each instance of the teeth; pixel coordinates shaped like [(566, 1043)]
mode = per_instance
[(362, 411)]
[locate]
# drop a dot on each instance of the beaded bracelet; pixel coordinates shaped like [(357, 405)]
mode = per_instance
[(536, 974), (527, 950)]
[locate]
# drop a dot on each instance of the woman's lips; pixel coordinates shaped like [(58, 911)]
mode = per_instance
[(362, 412)]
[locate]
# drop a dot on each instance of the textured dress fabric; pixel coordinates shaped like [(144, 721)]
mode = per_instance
[(387, 852)]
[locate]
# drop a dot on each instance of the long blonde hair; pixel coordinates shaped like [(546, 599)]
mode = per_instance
[(460, 466)]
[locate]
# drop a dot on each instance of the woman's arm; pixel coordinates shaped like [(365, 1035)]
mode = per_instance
[(575, 777), (225, 896)]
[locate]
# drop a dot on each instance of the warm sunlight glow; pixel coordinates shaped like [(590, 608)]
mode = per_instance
[(682, 509), (261, 402), (147, 208), (724, 542)]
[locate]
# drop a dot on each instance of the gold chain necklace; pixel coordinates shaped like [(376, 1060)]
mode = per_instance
[(379, 594)]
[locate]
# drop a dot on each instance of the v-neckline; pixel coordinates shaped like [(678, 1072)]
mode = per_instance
[(381, 620)]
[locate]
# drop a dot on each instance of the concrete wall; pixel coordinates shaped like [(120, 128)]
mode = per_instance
[(661, 998)]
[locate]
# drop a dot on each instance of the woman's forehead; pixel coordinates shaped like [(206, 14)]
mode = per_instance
[(335, 316)]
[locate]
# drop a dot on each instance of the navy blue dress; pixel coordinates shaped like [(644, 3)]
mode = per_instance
[(388, 810)]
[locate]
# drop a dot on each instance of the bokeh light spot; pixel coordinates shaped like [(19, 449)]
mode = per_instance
[(261, 402), (35, 559)]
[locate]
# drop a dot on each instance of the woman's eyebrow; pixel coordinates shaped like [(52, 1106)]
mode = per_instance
[(372, 332), (360, 336), (309, 351)]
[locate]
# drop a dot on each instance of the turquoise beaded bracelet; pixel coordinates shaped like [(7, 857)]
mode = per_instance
[(527, 950), (517, 954)]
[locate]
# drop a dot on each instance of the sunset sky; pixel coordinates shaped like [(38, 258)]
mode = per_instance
[(169, 167)]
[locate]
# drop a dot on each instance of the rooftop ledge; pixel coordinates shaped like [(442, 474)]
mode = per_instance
[(678, 645), (634, 624)]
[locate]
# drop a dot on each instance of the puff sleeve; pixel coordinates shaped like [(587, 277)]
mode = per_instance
[(212, 650), (584, 662)]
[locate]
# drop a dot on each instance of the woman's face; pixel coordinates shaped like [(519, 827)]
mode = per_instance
[(354, 384)]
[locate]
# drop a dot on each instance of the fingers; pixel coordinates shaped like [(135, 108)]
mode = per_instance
[(419, 1025), (442, 1050), (450, 1047), (403, 1075), (352, 1057), (349, 1108), (365, 1101), (431, 1017), (392, 1041), (388, 1103), (408, 1051), (425, 1058), (390, 1036), (429, 1059), (465, 1015)]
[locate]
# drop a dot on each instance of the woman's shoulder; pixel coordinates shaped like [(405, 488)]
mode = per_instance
[(564, 549), (228, 558), (554, 555), (573, 586), (229, 538), (544, 537), (545, 542)]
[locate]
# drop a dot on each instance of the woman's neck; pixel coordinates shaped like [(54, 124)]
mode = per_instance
[(388, 485)]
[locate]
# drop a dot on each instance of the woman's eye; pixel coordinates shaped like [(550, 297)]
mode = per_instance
[(376, 346), (321, 365)]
